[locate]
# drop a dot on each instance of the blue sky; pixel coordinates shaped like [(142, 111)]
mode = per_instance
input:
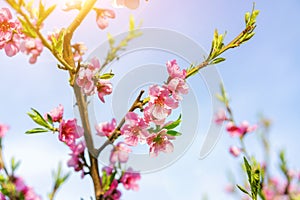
[(260, 76)]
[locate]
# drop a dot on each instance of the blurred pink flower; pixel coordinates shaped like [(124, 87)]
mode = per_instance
[(10, 32), (86, 74), (79, 50), (32, 46), (174, 70), (131, 4), (77, 151), (129, 180), (56, 113), (178, 86), (104, 87), (160, 105), (240, 131), (2, 197), (113, 193), (235, 151), (102, 15), (3, 129), (160, 142), (85, 81), (135, 129), (69, 131), (220, 117), (28, 192), (106, 128), (119, 153)]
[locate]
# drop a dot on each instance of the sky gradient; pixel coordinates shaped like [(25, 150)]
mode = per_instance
[(261, 76)]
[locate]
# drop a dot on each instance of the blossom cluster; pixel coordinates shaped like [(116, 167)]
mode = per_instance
[(234, 130), (162, 100), (111, 181), (14, 186), (71, 134), (18, 190), (90, 82), (13, 40)]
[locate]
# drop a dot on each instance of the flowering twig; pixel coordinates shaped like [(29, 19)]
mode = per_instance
[(138, 103)]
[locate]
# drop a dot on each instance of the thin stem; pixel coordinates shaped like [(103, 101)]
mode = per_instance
[(67, 53), (138, 103), (2, 164), (94, 171)]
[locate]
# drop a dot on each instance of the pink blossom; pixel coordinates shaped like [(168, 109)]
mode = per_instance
[(135, 129), (94, 65), (229, 188), (106, 128), (3, 129), (86, 74), (79, 50), (131, 4), (160, 105), (32, 46), (113, 193), (235, 151), (174, 70), (28, 192), (129, 180), (102, 15), (76, 156), (56, 113), (269, 194), (241, 130), (85, 81), (2, 197), (10, 33), (12, 47), (104, 87), (119, 153), (69, 131), (178, 86), (220, 117), (160, 142)]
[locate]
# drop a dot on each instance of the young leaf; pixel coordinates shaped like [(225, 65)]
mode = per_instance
[(27, 30), (243, 189), (107, 76), (37, 118), (217, 60), (173, 124), (173, 133), (45, 14), (37, 130), (14, 164)]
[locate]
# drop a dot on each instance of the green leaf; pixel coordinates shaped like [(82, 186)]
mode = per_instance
[(173, 124), (49, 119), (37, 130), (107, 76), (14, 164), (45, 13), (217, 60), (220, 97), (27, 30), (248, 169), (37, 118), (243, 189), (173, 133), (131, 23)]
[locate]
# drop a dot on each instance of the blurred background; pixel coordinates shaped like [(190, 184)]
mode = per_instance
[(261, 76)]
